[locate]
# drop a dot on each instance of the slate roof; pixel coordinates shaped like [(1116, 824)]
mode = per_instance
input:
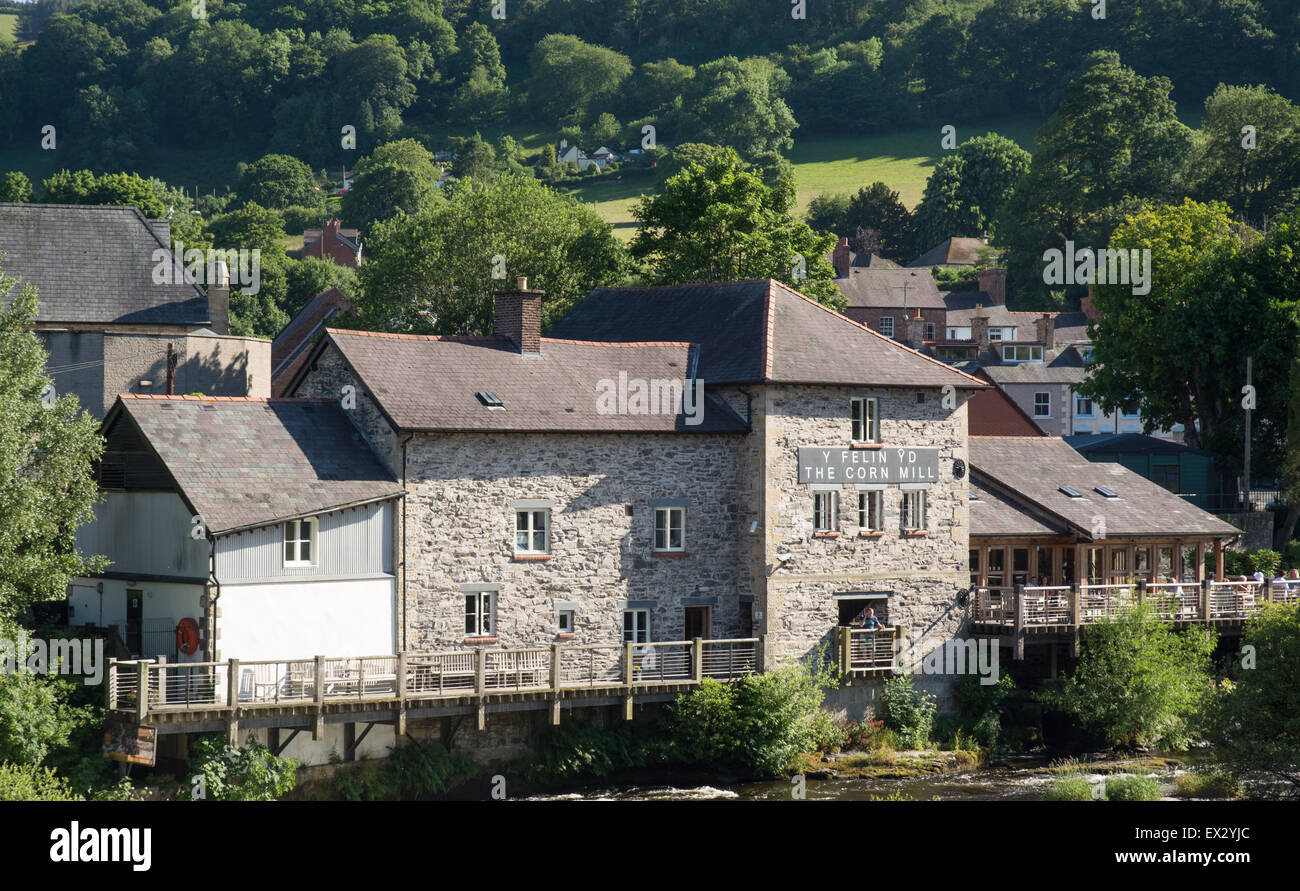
[(430, 383), (883, 286), (961, 307), (993, 515), (951, 252), (244, 462), (293, 344), (1066, 368), (1130, 444), (757, 332), (1067, 327), (94, 264), (1028, 471), (349, 238)]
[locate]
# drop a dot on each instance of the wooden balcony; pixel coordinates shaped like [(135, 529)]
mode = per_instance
[(862, 653), (1031, 610), (190, 697)]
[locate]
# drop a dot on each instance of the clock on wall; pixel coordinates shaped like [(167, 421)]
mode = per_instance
[(958, 469)]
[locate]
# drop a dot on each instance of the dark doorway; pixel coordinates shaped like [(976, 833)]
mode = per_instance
[(134, 621), (697, 622), (746, 619), (850, 607)]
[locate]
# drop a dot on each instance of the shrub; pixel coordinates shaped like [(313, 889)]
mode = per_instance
[(909, 712), (231, 773), (27, 782), (1206, 785), (1291, 556), (410, 773), (574, 750), (1132, 788), (1072, 787)]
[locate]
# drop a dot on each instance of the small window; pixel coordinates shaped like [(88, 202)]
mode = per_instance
[(912, 511), (532, 532), (866, 419), (825, 506), (1102, 490), (300, 542), (480, 614), (1083, 407), (564, 621), (491, 400), (887, 326), (636, 626), (995, 334), (670, 529), (1042, 405), (871, 511), (1130, 414), (1071, 492), (929, 330), (1022, 353)]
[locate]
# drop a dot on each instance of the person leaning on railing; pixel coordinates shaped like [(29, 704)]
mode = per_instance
[(867, 621)]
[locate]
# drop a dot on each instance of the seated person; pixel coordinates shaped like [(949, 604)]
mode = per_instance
[(867, 620)]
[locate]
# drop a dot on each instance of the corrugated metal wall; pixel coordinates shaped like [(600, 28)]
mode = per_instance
[(350, 543), (145, 532)]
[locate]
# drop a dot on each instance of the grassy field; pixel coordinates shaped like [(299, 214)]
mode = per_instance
[(8, 25)]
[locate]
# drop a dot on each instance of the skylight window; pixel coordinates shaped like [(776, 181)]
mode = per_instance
[(1073, 493), (491, 400), (1102, 490)]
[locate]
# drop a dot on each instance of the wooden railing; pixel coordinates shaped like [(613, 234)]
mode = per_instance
[(235, 684), (1076, 605), (857, 649)]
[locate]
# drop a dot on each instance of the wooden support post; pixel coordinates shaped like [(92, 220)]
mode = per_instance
[(399, 719), (318, 722), (900, 635), (1205, 601), (844, 649), (481, 714), (1142, 591), (142, 691), (697, 659), (1218, 559), (556, 664), (480, 672), (110, 688), (1076, 609), (232, 730), (760, 653), (232, 685), (629, 670), (1074, 642), (1020, 623)]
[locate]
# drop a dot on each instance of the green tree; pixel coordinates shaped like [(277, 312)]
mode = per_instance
[(247, 773), (829, 212), (432, 271), (310, 276), (279, 182), (474, 157), (878, 207), (966, 189), (738, 103), (256, 311), (83, 187), (568, 77), (719, 222), (397, 177), (15, 187), (48, 446), (1140, 682)]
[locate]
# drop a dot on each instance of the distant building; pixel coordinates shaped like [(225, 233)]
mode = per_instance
[(1181, 469), (952, 252), (343, 246), (291, 346)]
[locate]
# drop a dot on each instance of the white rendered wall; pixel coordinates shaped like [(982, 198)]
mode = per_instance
[(298, 620)]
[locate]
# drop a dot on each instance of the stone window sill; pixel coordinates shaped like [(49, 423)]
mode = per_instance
[(826, 535), (915, 533), (866, 445), (531, 558), (565, 635), (670, 555), (871, 535), (482, 640)]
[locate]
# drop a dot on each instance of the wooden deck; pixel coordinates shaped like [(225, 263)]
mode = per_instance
[(311, 692), (863, 654), (1026, 611)]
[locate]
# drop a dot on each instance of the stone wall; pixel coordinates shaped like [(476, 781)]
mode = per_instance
[(327, 379)]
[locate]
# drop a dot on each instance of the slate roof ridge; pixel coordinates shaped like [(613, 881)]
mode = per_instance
[(619, 343), (451, 338), (888, 340), (245, 399)]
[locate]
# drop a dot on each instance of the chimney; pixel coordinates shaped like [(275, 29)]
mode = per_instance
[(842, 258), (219, 296), (993, 281), (1045, 329), (979, 328), (916, 331), (518, 315), (1086, 305), (331, 228)]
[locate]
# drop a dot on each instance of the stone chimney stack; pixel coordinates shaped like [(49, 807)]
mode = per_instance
[(219, 296), (979, 328), (916, 331), (993, 282), (1045, 329), (842, 258), (518, 315), (331, 229), (1086, 305)]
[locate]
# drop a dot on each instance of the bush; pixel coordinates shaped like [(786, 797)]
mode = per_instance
[(1206, 785), (909, 712), (410, 773), (1265, 561), (1132, 788), (27, 782), (1072, 787), (576, 750), (1291, 556), (230, 773), (299, 219)]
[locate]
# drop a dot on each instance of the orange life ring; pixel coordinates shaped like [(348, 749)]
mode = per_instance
[(187, 636)]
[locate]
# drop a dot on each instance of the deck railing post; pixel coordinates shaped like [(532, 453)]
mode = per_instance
[(697, 654), (110, 689), (896, 657), (556, 656), (480, 671), (1019, 627), (1205, 600), (1076, 604), (232, 684), (142, 694), (760, 653), (843, 649), (1142, 590), (401, 676)]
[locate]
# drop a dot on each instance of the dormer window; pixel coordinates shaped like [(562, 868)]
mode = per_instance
[(1022, 353), (866, 419)]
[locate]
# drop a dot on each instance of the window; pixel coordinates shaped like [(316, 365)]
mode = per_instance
[(1087, 354), (866, 419), (1094, 566), (1042, 405), (480, 613), (1165, 564), (300, 542), (1189, 563), (1020, 566), (1129, 414), (1045, 565), (912, 511), (995, 334), (974, 566), (887, 326), (1118, 565), (997, 567), (825, 506), (1142, 561), (1070, 491), (1022, 353), (870, 511), (929, 330), (532, 532), (670, 529), (1083, 407), (636, 626), (564, 621)]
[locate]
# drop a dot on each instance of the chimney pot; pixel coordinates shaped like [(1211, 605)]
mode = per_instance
[(518, 315), (522, 283)]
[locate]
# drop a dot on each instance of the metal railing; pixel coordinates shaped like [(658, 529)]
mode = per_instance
[(319, 680)]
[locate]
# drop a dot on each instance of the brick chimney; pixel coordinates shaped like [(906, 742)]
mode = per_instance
[(979, 328), (331, 228), (842, 258), (1088, 309), (518, 315), (1045, 329), (219, 296), (993, 281), (916, 331)]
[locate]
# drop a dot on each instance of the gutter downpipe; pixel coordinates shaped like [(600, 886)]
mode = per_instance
[(216, 586), (408, 438)]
